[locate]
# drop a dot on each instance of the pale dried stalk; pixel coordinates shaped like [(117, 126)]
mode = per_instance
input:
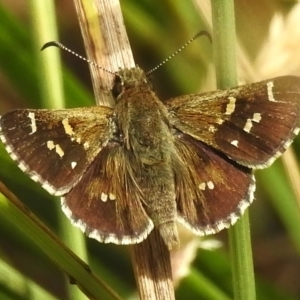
[(152, 268), (107, 44)]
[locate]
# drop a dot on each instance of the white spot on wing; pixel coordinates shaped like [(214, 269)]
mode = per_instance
[(50, 145), (229, 220), (212, 129), (234, 143), (73, 164), (233, 218), (296, 131), (202, 186), (31, 116), (9, 149), (68, 128), (256, 118), (58, 150), (248, 125), (35, 177), (219, 121), (2, 137), (13, 155), (112, 196), (230, 107), (49, 188), (22, 166), (104, 197), (210, 185), (270, 86)]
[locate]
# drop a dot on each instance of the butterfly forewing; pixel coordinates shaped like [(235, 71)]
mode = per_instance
[(252, 124), (55, 146)]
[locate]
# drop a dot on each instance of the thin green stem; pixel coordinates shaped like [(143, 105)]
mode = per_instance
[(14, 214), (239, 235), (51, 85)]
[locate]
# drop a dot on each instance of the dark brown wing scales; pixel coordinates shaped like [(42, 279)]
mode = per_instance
[(55, 146), (106, 203), (214, 192), (252, 124)]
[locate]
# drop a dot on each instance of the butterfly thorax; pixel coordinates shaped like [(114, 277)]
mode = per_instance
[(142, 119)]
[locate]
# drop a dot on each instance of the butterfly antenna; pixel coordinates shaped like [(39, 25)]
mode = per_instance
[(203, 32), (61, 46)]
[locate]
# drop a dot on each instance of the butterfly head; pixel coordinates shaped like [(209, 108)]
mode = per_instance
[(127, 79)]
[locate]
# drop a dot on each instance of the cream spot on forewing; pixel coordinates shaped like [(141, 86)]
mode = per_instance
[(31, 116), (234, 143), (270, 86), (104, 197), (219, 121), (68, 128), (50, 145), (86, 145), (58, 150), (212, 129), (73, 164), (210, 185), (230, 107), (202, 186), (256, 118)]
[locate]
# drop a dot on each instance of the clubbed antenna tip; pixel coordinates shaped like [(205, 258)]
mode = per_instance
[(50, 44), (200, 33), (61, 46)]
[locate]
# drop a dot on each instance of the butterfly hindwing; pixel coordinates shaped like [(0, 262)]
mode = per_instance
[(214, 192), (106, 203), (55, 146), (252, 124)]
